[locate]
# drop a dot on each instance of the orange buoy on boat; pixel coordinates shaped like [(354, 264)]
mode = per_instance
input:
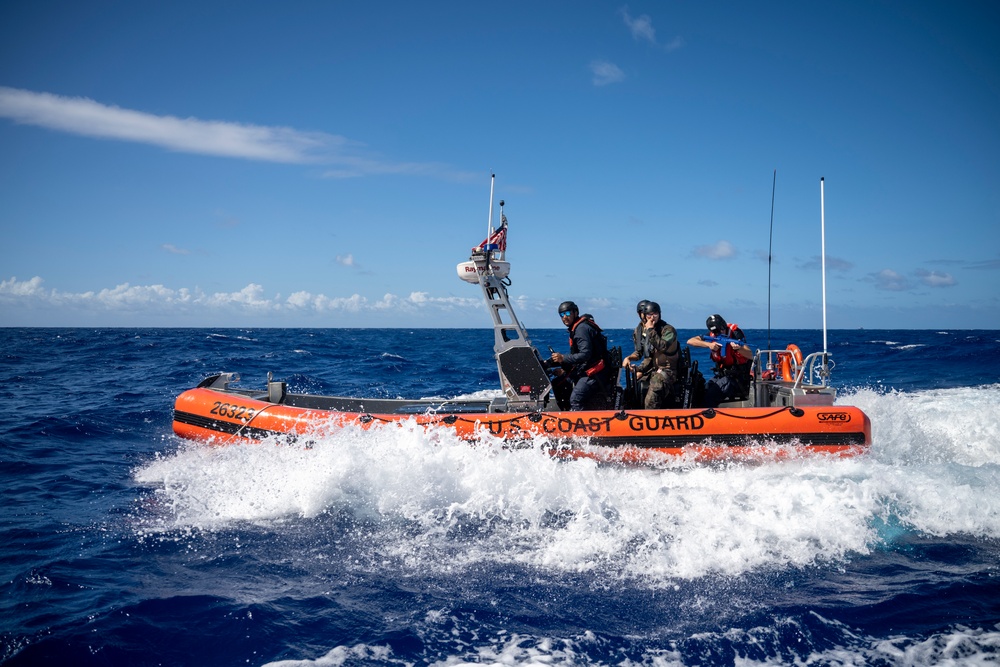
[(785, 362), (796, 353)]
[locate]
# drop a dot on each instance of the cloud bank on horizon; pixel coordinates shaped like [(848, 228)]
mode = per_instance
[(157, 305), (248, 304)]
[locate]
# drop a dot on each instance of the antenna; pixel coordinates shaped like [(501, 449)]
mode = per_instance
[(489, 224), (503, 221), (822, 228), (770, 240)]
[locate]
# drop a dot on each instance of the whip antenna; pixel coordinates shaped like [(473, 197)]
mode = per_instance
[(489, 224), (770, 240), (822, 228)]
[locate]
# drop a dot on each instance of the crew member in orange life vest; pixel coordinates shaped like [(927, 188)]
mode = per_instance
[(587, 362), (732, 362)]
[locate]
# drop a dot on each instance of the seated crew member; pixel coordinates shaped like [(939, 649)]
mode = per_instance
[(732, 362), (661, 363), (586, 365), (637, 335)]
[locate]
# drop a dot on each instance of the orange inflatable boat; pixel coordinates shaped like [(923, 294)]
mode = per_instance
[(218, 414)]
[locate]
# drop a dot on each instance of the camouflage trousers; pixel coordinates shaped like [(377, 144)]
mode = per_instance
[(661, 389)]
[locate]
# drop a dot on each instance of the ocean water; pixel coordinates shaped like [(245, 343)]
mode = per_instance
[(123, 545)]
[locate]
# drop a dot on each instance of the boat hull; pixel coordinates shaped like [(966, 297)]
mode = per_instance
[(221, 417)]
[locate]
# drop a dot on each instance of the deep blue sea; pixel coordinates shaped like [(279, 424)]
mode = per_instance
[(122, 545)]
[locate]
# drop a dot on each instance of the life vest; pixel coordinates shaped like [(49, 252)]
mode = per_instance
[(638, 340), (727, 356), (595, 369), (732, 365), (667, 359)]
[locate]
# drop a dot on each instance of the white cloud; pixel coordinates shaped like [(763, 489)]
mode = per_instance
[(837, 264), (86, 117), (423, 301), (123, 297), (642, 31), (419, 297), (25, 288), (171, 248), (300, 300), (832, 264), (606, 73), (720, 250), (597, 303), (641, 27), (321, 303), (935, 279), (159, 302), (127, 297), (345, 260), (83, 116), (251, 296), (889, 280)]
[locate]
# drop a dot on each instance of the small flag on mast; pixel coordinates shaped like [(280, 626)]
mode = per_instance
[(497, 240)]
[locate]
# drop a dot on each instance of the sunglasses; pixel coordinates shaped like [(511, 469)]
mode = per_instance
[(565, 313)]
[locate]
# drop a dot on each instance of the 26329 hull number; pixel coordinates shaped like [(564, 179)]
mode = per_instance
[(233, 411)]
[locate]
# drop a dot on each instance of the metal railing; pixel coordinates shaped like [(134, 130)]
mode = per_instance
[(813, 372)]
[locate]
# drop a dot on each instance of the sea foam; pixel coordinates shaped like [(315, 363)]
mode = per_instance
[(431, 500)]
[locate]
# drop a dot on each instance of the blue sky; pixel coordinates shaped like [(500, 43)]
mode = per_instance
[(328, 163)]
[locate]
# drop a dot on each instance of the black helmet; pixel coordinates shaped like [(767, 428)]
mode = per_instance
[(568, 305), (651, 307), (640, 307), (716, 324)]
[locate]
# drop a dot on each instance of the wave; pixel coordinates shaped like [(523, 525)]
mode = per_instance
[(221, 336), (428, 499), (958, 426), (898, 345), (766, 645)]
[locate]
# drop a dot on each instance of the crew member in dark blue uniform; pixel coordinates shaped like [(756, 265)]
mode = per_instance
[(587, 364)]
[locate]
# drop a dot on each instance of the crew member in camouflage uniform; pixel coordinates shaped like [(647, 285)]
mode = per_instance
[(637, 335), (661, 355)]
